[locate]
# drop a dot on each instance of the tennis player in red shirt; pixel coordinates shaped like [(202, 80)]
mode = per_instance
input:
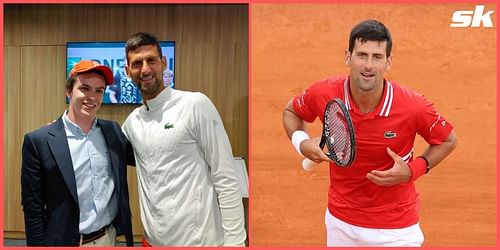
[(373, 202)]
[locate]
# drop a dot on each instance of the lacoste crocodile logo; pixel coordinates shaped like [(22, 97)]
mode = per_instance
[(390, 135), (169, 125)]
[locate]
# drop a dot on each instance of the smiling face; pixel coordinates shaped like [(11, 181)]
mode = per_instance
[(368, 63), (85, 97), (145, 67)]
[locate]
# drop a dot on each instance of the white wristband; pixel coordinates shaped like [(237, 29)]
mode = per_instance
[(298, 136)]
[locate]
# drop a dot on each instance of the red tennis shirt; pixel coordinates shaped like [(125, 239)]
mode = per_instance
[(400, 115)]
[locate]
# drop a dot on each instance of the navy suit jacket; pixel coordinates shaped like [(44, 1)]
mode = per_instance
[(49, 196)]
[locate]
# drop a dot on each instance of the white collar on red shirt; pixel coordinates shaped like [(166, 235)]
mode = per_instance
[(388, 97)]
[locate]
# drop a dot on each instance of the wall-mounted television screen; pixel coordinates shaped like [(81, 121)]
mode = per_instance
[(112, 54)]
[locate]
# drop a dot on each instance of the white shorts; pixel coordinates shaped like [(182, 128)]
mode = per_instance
[(340, 233)]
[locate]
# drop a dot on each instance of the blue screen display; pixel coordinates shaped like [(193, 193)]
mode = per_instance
[(112, 54)]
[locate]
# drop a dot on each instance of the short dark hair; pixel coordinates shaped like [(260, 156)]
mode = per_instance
[(70, 82), (140, 39), (370, 30)]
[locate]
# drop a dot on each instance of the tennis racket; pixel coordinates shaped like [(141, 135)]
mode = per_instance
[(338, 135)]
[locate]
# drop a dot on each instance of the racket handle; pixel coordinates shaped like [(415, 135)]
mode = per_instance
[(307, 164)]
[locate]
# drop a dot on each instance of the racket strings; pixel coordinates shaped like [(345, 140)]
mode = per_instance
[(338, 139)]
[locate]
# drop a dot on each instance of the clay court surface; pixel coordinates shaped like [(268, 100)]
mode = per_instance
[(293, 45)]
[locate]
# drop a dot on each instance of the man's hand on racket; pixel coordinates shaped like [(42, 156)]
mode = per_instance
[(399, 173), (310, 149)]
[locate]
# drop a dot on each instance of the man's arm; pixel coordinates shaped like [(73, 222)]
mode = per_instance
[(215, 144), (308, 147), (436, 153), (32, 192), (401, 171)]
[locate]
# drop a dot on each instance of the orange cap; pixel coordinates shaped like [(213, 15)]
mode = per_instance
[(85, 66)]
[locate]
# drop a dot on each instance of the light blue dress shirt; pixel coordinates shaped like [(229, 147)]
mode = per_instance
[(94, 178)]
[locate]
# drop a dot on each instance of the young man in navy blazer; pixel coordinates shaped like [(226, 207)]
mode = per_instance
[(74, 176)]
